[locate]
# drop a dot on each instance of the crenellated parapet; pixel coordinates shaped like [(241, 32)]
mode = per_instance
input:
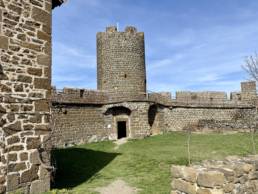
[(79, 96)]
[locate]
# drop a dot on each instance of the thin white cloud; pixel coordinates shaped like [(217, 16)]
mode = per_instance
[(72, 57)]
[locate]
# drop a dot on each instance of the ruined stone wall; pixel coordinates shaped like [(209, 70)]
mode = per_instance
[(25, 76), (233, 175), (76, 124), (210, 119), (121, 63)]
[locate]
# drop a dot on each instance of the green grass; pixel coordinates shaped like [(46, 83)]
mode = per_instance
[(144, 164)]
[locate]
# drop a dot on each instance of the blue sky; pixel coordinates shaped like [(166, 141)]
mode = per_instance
[(190, 45)]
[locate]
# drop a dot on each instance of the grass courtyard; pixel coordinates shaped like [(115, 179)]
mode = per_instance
[(144, 164)]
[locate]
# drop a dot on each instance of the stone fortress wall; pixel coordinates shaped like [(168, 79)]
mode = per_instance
[(83, 118), (25, 85), (232, 175)]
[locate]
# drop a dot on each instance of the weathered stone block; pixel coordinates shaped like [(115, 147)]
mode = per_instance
[(44, 173), (253, 175), (36, 118), (41, 16), (44, 36), (28, 127), (12, 140), (41, 106), (12, 157), (184, 186), (30, 175), (42, 128), (13, 182), (14, 148), (247, 168), (229, 187), (5, 88), (24, 78), (34, 47), (4, 43), (187, 173), (24, 156), (44, 60), (15, 8), (210, 179), (34, 71), (11, 117), (16, 167), (34, 158), (40, 186), (13, 128), (42, 83), (33, 143)]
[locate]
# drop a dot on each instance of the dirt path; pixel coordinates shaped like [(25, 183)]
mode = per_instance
[(120, 142), (117, 187)]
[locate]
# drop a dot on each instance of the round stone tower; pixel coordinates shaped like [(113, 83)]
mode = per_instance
[(121, 63)]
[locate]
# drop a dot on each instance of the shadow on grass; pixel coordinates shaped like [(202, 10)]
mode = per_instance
[(77, 165)]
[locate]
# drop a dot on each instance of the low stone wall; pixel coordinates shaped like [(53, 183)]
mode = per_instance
[(223, 119), (234, 175)]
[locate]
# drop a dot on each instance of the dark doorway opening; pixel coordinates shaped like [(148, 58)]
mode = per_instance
[(121, 129)]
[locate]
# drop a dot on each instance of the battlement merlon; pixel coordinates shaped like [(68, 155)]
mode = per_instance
[(130, 30), (249, 86)]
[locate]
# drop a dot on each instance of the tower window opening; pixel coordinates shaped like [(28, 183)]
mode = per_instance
[(125, 75), (81, 93)]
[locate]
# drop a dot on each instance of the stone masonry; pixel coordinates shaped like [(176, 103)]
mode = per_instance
[(234, 175), (25, 90)]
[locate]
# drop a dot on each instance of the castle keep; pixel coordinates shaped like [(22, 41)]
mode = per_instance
[(122, 107)]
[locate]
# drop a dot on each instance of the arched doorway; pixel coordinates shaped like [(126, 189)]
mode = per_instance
[(119, 121)]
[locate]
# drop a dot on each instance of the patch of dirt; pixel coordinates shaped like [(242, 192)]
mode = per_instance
[(120, 142), (117, 187)]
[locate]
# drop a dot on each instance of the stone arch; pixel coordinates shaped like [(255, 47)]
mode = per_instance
[(118, 122), (118, 110)]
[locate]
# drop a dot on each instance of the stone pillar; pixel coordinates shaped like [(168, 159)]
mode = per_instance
[(25, 79)]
